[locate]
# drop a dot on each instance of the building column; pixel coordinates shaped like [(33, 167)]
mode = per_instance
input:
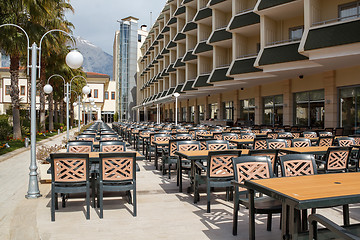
[(258, 106), (196, 112), (187, 111), (207, 110), (288, 112), (220, 113), (236, 106), (330, 92)]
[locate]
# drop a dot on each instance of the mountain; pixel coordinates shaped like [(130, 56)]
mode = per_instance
[(95, 59)]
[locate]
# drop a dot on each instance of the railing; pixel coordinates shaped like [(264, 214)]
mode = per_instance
[(245, 10), (247, 55), (336, 20), (204, 40), (205, 73), (221, 27), (223, 65), (283, 41)]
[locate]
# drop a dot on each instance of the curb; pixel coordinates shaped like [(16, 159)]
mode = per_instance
[(16, 152)]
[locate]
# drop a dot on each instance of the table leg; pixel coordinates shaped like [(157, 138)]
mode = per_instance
[(293, 223), (251, 215), (179, 174), (156, 156), (236, 211), (284, 221)]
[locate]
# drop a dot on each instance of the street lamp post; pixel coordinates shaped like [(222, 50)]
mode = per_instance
[(176, 95), (79, 105), (74, 60)]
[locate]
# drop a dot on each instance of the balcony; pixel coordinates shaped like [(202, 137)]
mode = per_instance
[(189, 56), (163, 93), (243, 65), (264, 4), (190, 27), (201, 81), (203, 47), (203, 14), (165, 51), (171, 91), (171, 69), (171, 45), (214, 2), (188, 86), (180, 37), (187, 1), (244, 19), (172, 21), (164, 73), (181, 10), (219, 74), (220, 35), (281, 53), (179, 63), (179, 87), (165, 30)]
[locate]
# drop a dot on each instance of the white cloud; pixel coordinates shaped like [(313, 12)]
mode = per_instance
[(96, 20)]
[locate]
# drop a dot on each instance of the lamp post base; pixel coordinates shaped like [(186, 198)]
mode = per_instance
[(33, 196)]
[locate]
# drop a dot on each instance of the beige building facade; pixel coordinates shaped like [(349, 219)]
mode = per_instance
[(288, 62)]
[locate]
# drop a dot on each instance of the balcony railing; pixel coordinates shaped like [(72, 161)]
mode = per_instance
[(283, 41), (355, 16), (245, 10), (247, 55)]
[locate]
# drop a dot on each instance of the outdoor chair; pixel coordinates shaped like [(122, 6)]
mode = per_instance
[(112, 146), (345, 141), (325, 134), (109, 137), (80, 146), (325, 141), (301, 142), (219, 172), (155, 137), (186, 145), (336, 160), (260, 143), (182, 136), (204, 141), (285, 135), (309, 134), (296, 134), (276, 143), (272, 135), (69, 174), (230, 136), (271, 153), (117, 174), (86, 137), (250, 168), (215, 145), (247, 135), (169, 157)]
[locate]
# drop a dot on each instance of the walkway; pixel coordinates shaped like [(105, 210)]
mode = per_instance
[(163, 213)]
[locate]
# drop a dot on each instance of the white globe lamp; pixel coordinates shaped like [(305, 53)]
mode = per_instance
[(74, 59), (91, 99), (65, 99), (75, 104), (176, 94), (48, 89), (86, 90)]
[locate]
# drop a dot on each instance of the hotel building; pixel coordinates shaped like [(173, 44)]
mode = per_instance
[(264, 62)]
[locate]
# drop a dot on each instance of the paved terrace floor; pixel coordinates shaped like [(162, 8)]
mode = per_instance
[(163, 213)]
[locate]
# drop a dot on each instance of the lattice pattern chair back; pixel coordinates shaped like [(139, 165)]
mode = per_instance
[(230, 136), (337, 159), (345, 141), (260, 143), (266, 130), (188, 146), (162, 137), (183, 136), (217, 135), (69, 167), (276, 143), (325, 141), (251, 167), (309, 134), (255, 131), (80, 146), (296, 134), (301, 142), (220, 164), (112, 146), (272, 135), (172, 147), (285, 135), (200, 133), (215, 145), (108, 137), (325, 134), (182, 130), (357, 140), (271, 153), (248, 136), (117, 167), (298, 165)]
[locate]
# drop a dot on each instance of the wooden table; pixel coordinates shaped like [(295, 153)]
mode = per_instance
[(316, 150), (241, 142), (304, 192), (95, 155), (197, 155)]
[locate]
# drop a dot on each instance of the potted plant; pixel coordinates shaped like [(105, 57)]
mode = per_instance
[(42, 155)]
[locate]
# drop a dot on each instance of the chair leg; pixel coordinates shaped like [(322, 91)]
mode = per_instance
[(56, 202), (101, 193), (208, 197), (236, 212), (134, 201), (346, 215), (269, 222), (87, 200), (304, 220), (52, 209), (129, 198)]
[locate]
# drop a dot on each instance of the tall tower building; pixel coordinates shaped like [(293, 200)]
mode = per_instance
[(125, 66)]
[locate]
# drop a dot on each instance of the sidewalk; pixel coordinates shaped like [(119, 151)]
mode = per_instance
[(163, 212)]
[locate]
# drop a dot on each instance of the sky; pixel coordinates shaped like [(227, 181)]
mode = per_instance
[(96, 20)]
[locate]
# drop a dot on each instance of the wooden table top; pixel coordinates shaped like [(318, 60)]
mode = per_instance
[(305, 149), (319, 186), (96, 154), (203, 153), (242, 140), (160, 142)]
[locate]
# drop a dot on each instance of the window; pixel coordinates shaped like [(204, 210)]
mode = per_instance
[(349, 11), (192, 113), (7, 90), (112, 95), (273, 110), (22, 90), (106, 95), (228, 110), (309, 108), (213, 107), (96, 93), (183, 114), (349, 109), (247, 111), (295, 33), (201, 109), (139, 37)]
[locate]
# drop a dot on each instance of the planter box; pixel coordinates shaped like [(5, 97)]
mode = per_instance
[(44, 176)]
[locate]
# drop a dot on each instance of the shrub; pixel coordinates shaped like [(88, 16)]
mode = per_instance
[(116, 117), (5, 128)]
